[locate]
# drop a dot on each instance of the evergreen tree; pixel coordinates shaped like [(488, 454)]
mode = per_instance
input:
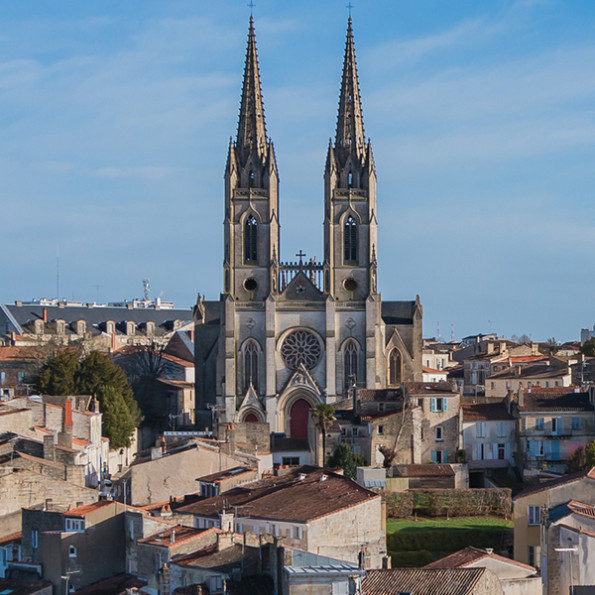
[(116, 421), (588, 347), (57, 376), (344, 458)]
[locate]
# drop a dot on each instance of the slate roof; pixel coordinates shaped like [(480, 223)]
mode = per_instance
[(228, 473), (422, 581), (398, 312), (443, 389), (470, 555), (485, 412), (287, 497)]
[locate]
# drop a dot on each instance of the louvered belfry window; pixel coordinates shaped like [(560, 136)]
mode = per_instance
[(250, 240), (350, 241)]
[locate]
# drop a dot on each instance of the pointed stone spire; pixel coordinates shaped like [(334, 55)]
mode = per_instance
[(350, 124), (252, 134)]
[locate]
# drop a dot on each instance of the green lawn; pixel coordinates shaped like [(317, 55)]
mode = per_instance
[(425, 524), (416, 543)]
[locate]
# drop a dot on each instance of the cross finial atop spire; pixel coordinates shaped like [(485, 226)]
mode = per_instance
[(252, 5), (350, 125), (349, 6), (252, 134)]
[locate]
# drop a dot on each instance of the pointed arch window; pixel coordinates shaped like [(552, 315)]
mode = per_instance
[(251, 365), (395, 365), (250, 240), (251, 178), (350, 180), (350, 241), (350, 365)]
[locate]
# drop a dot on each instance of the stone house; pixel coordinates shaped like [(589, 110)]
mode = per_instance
[(16, 367), (489, 437), (440, 427), (223, 481), (551, 423), (307, 508), (546, 373), (515, 577)]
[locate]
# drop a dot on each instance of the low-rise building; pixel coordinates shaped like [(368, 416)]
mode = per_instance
[(515, 577), (489, 436), (308, 508), (547, 373), (551, 423)]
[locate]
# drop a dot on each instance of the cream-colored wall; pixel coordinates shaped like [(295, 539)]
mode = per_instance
[(342, 535), (498, 387)]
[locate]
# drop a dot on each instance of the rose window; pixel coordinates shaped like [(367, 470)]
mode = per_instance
[(301, 347)]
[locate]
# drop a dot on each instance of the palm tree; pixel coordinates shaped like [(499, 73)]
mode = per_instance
[(323, 416)]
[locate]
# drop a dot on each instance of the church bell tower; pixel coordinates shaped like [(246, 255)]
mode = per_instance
[(350, 225), (251, 195)]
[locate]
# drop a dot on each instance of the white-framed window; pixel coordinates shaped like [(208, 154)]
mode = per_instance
[(74, 525), (438, 433), (480, 429), (297, 532), (71, 551), (534, 516)]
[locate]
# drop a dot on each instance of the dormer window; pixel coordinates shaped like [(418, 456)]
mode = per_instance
[(60, 327), (39, 327), (130, 328), (81, 327), (150, 329), (110, 327)]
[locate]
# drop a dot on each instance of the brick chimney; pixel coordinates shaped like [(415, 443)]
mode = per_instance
[(49, 447), (45, 314), (521, 396), (65, 436)]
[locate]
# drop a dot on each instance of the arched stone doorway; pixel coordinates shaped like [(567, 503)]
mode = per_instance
[(299, 414), (251, 418)]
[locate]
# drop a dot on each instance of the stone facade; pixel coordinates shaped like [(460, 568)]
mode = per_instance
[(295, 334)]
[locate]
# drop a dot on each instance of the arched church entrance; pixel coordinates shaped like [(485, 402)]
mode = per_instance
[(251, 418), (299, 415)]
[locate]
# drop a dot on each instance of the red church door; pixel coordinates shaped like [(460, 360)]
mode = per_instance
[(299, 414), (250, 418)]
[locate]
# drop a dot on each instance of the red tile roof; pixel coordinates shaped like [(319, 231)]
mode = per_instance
[(88, 508), (10, 538), (317, 494), (177, 534), (177, 360), (430, 388)]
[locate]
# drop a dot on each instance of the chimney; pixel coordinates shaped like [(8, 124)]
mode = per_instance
[(191, 333), (45, 314), (67, 413), (172, 537), (386, 562), (521, 397), (163, 446), (364, 558), (49, 447)]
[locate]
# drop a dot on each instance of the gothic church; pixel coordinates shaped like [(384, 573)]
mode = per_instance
[(288, 335)]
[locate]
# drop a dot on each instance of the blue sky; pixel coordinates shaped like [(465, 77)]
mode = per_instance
[(115, 119)]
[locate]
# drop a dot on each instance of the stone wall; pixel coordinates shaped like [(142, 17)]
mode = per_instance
[(25, 488)]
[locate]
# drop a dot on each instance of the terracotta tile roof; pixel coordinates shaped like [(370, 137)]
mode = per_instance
[(115, 584), (180, 535), (11, 411), (44, 430), (422, 581), (10, 538), (470, 555), (80, 442), (549, 400), (88, 508), (559, 481), (177, 383), (485, 412), (536, 370), (288, 497), (421, 470), (177, 360), (427, 370), (587, 510), (18, 354)]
